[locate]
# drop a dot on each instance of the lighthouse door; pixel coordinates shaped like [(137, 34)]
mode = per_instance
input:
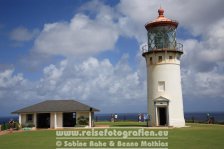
[(161, 111), (162, 116)]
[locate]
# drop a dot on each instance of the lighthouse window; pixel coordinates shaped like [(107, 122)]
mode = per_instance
[(160, 59), (161, 86)]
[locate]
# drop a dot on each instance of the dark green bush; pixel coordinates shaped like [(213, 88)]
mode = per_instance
[(4, 126), (17, 126), (83, 120), (28, 124)]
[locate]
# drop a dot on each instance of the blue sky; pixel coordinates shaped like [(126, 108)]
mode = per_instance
[(90, 51)]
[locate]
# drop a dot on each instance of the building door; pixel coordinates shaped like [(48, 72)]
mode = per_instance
[(43, 120), (162, 116), (69, 119)]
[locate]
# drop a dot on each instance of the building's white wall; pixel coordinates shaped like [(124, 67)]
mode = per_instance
[(52, 125), (59, 119), (85, 114), (24, 118), (168, 71)]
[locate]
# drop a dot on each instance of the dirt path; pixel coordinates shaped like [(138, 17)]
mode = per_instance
[(8, 132)]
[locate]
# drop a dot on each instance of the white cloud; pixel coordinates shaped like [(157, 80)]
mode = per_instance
[(197, 19), (7, 79), (94, 80), (203, 64), (195, 16), (23, 34), (15, 90), (101, 83), (80, 37), (98, 83), (203, 85), (87, 36), (135, 14)]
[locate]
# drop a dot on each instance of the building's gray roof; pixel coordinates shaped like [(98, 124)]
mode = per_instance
[(56, 106)]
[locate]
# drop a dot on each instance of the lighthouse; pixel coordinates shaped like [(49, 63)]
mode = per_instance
[(162, 55)]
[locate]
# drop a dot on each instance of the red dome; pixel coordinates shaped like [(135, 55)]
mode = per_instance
[(161, 11), (161, 20)]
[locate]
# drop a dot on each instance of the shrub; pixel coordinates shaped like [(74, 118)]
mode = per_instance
[(5, 126), (83, 120), (17, 126), (28, 124)]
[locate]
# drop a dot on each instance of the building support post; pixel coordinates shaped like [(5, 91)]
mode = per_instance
[(20, 119), (156, 116), (55, 120), (90, 119), (35, 119)]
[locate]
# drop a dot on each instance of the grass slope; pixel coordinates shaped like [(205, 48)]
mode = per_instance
[(196, 136), (28, 140)]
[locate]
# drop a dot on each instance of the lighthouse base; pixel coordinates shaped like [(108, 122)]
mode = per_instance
[(164, 113), (177, 122)]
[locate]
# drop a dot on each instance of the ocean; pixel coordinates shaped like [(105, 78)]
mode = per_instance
[(197, 116)]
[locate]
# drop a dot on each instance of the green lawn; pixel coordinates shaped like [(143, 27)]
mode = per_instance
[(28, 140), (196, 136)]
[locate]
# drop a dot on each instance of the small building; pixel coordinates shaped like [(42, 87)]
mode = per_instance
[(56, 114)]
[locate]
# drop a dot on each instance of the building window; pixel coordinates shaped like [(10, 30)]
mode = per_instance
[(170, 58), (160, 59), (29, 117), (161, 86), (150, 60)]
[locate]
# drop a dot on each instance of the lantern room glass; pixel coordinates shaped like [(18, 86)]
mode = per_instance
[(162, 37)]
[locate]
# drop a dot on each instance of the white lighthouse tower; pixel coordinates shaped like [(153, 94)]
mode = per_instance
[(165, 102)]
